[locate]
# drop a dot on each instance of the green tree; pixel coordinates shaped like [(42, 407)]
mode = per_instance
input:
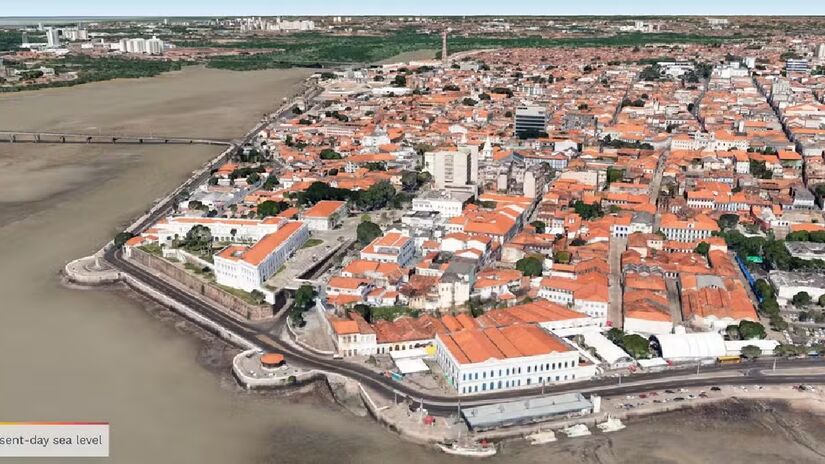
[(399, 81), (636, 346), (821, 300), (258, 296), (364, 310), (728, 221), (614, 175), (270, 182), (198, 239), (253, 178), (409, 181), (785, 350), (801, 299), (329, 154), (703, 248), (751, 352), (318, 191), (615, 335), (587, 211), (562, 257), (539, 226), (366, 232), (764, 288), (749, 330), (778, 323), (376, 197), (529, 266), (122, 238), (305, 297), (732, 331), (271, 208), (476, 308)]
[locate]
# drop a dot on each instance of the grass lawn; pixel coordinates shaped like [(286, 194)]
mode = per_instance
[(389, 313), (152, 248), (312, 242), (198, 271), (246, 296)]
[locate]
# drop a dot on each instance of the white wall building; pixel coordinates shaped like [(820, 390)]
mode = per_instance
[(448, 203), (247, 267), (452, 168), (392, 247), (325, 215), (507, 358), (788, 284)]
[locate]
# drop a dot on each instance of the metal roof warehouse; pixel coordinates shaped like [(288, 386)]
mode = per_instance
[(527, 411)]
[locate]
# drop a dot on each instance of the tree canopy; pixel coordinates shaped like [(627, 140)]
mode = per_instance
[(636, 346), (749, 330), (587, 211), (751, 352), (801, 299), (271, 208), (728, 221), (367, 231), (198, 239), (529, 266), (122, 238), (330, 154)]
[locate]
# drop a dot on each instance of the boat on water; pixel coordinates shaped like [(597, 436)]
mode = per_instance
[(578, 430), (473, 450), (612, 424), (541, 437)]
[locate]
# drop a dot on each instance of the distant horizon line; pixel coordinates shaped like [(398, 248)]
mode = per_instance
[(561, 15)]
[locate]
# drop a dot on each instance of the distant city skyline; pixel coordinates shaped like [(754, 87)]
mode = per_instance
[(422, 7)]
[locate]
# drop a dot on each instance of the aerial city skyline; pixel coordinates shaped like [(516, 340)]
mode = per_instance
[(424, 7), (316, 234)]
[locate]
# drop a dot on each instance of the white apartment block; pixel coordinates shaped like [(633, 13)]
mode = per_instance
[(452, 168)]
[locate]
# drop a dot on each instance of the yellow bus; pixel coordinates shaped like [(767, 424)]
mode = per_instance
[(729, 359)]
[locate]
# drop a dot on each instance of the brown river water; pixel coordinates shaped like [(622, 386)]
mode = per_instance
[(106, 355)]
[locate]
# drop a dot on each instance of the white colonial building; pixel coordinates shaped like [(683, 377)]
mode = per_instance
[(247, 267), (325, 215), (506, 358)]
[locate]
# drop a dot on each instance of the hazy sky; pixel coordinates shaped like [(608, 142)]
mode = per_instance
[(416, 7)]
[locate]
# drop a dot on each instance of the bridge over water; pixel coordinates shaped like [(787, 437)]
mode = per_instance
[(66, 137)]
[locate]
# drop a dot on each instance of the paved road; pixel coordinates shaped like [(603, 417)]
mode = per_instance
[(656, 182), (674, 300), (614, 312)]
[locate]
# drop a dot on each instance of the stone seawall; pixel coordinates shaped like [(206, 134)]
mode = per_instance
[(234, 306), (91, 270), (222, 332)]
